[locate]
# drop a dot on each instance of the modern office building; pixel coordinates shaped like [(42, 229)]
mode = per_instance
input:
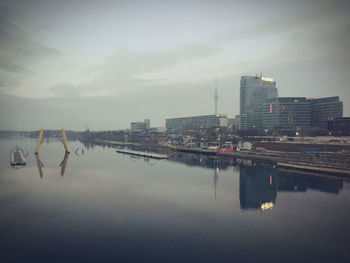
[(339, 126), (254, 92), (287, 113), (324, 109), (157, 129), (138, 126), (196, 122)]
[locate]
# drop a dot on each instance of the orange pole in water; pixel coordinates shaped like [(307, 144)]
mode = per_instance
[(65, 143), (39, 141)]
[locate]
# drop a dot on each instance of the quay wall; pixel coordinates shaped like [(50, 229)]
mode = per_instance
[(331, 159), (294, 147)]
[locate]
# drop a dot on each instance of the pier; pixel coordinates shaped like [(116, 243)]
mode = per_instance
[(115, 143), (143, 154)]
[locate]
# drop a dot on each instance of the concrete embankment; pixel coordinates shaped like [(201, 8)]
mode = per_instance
[(321, 162), (298, 146), (290, 156)]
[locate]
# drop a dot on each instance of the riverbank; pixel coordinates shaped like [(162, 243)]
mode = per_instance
[(322, 162), (326, 162)]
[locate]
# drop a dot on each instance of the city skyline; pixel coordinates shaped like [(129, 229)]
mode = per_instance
[(102, 65)]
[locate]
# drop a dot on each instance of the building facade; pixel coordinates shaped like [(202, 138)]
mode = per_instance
[(255, 91), (339, 126), (148, 123), (196, 122), (138, 126), (324, 109), (157, 129), (288, 113)]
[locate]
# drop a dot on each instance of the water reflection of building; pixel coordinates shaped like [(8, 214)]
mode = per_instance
[(201, 160), (301, 183), (258, 187)]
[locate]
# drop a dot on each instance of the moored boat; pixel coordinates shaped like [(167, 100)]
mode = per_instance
[(18, 157)]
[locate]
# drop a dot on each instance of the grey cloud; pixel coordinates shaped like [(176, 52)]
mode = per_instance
[(18, 52), (311, 64), (330, 43), (314, 62), (66, 90), (121, 69), (302, 14), (125, 61), (155, 102)]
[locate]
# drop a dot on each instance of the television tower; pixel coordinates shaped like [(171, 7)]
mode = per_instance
[(216, 95)]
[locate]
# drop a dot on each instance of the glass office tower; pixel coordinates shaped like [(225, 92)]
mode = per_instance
[(288, 113), (255, 91)]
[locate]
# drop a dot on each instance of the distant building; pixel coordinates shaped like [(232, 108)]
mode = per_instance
[(237, 122), (138, 126), (148, 123), (230, 122), (254, 92), (324, 109), (157, 129), (287, 113), (290, 113), (339, 126), (196, 122), (234, 123)]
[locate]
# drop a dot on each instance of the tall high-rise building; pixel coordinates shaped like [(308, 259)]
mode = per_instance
[(254, 92)]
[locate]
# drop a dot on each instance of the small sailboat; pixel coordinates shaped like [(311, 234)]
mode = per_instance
[(18, 157)]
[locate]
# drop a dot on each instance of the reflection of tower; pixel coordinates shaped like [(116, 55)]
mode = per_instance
[(215, 180), (216, 95)]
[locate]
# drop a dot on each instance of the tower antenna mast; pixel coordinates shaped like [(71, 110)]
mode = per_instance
[(216, 95)]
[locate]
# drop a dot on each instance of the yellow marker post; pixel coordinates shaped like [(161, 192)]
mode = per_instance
[(39, 141), (64, 163), (65, 143), (38, 163)]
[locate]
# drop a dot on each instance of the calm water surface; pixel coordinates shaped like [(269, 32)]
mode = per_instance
[(109, 207)]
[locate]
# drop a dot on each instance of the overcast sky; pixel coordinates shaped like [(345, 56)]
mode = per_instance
[(102, 64)]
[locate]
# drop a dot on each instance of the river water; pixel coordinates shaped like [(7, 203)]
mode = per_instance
[(102, 206)]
